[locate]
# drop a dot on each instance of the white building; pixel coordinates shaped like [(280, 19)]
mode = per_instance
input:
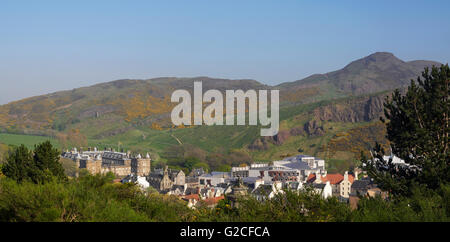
[(324, 189), (267, 191), (213, 179)]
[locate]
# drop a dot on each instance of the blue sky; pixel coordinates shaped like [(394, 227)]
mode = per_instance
[(48, 46)]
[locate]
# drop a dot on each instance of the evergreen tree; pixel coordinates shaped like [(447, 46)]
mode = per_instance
[(39, 166), (418, 129), (46, 158), (19, 164)]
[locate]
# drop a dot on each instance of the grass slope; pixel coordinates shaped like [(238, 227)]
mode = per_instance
[(28, 140)]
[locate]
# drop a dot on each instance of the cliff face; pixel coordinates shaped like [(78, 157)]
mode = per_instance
[(360, 110)]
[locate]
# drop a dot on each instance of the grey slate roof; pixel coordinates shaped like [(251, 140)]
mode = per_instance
[(319, 186), (263, 190), (360, 184), (300, 165), (114, 155), (190, 179), (293, 185)]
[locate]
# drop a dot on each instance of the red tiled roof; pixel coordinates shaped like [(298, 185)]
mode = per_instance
[(213, 200), (332, 178), (311, 178), (191, 196), (351, 178)]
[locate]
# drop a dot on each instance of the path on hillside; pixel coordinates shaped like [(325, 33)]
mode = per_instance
[(178, 140)]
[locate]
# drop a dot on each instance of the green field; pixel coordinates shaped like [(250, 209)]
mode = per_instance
[(28, 140)]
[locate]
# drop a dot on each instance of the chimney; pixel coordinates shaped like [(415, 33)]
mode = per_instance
[(318, 178)]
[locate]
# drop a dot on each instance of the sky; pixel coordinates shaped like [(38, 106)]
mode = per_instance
[(48, 46)]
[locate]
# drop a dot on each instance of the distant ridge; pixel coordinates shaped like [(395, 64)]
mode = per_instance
[(377, 72), (148, 101)]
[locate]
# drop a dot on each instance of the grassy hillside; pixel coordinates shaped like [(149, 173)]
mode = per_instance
[(28, 140)]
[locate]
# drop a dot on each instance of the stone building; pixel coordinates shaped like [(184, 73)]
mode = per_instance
[(101, 162), (164, 180), (178, 177)]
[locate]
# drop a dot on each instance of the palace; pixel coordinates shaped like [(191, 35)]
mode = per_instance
[(119, 163)]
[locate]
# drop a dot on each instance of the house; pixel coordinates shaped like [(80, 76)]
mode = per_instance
[(212, 202), (191, 182), (177, 190), (340, 184), (345, 185), (196, 199), (192, 200), (191, 190), (139, 180), (177, 176), (325, 189), (252, 183), (360, 187), (213, 178), (196, 172), (225, 188), (207, 192), (364, 187), (294, 186), (267, 191), (161, 182)]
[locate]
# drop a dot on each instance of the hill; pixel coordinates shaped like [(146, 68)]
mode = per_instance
[(135, 114), (377, 72)]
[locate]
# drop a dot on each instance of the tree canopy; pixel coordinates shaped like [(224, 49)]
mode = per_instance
[(38, 166), (417, 125)]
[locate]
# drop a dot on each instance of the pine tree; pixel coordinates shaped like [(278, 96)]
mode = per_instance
[(46, 158), (19, 164), (418, 129), (39, 166)]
